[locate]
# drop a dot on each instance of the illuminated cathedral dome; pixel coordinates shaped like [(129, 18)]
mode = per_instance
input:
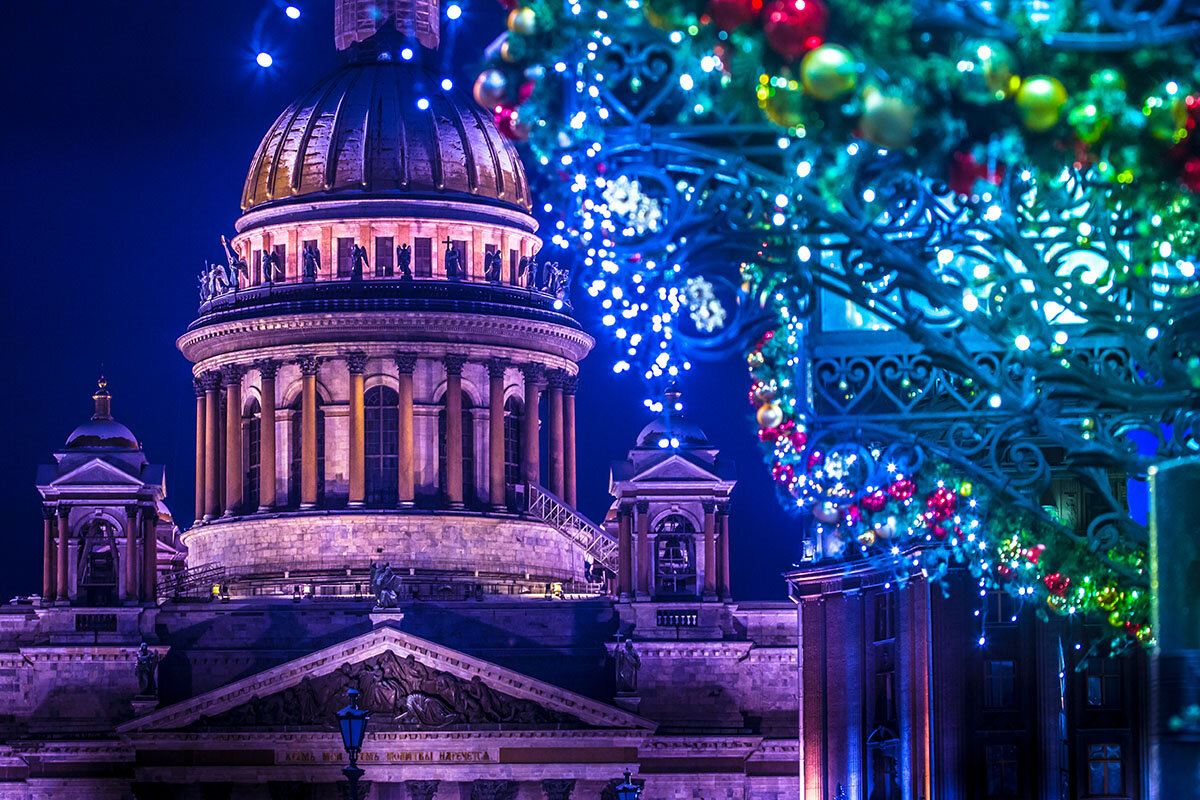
[(102, 431), (383, 127)]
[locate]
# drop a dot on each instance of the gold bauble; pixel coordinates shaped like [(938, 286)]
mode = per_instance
[(510, 51), (1089, 122), (986, 72), (522, 20), (866, 538), (770, 416), (1041, 100), (966, 489), (1115, 619), (491, 88), (1107, 598), (1145, 634), (828, 71), (782, 100), (887, 121)]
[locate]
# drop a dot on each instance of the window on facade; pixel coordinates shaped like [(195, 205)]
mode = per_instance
[(999, 684), (1001, 608), (422, 262), (512, 441), (251, 438), (1104, 769), (280, 251), (885, 616), (385, 257), (514, 267), (381, 426), (1103, 676), (1001, 770), (464, 258), (98, 562), (885, 697), (344, 246), (468, 449), (674, 556), (294, 474)]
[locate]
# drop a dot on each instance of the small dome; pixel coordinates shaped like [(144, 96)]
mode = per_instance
[(385, 129), (102, 431), (689, 435)]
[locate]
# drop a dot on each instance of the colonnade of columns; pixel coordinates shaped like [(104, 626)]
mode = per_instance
[(138, 559), (220, 489), (635, 577)]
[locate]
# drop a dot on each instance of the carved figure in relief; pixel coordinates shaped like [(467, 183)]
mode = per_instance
[(404, 261), (147, 664), (237, 267), (312, 262), (358, 261), (628, 664), (453, 261), (271, 265)]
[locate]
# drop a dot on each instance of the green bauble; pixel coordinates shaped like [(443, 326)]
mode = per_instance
[(1107, 79), (887, 120), (1166, 113), (1089, 122), (828, 71), (782, 100), (986, 72), (1041, 100)]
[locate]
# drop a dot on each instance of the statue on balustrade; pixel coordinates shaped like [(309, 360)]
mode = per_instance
[(271, 265), (562, 285), (312, 262), (147, 663), (404, 261), (214, 282), (237, 267), (528, 268), (628, 664), (492, 263), (453, 261), (358, 261)]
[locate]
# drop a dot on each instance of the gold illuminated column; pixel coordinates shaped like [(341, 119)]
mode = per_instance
[(710, 550), (531, 467), (554, 408), (130, 558), (497, 488), (356, 364), (569, 441), (454, 430), (200, 418), (643, 549), (406, 485), (308, 431), (267, 370), (723, 557), (212, 444), (48, 564), (231, 374), (624, 553), (64, 514), (149, 554)]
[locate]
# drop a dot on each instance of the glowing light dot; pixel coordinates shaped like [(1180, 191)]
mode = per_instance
[(994, 401), (1022, 342), (264, 60), (423, 103), (686, 82), (1060, 337), (447, 84), (453, 11), (292, 12), (1152, 332), (406, 54)]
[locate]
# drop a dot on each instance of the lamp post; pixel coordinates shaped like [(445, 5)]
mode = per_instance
[(353, 722), (627, 790)]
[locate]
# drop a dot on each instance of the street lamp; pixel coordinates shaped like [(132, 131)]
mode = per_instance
[(353, 722), (628, 790)]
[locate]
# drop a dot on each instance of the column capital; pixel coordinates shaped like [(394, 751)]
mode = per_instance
[(406, 363), (131, 510), (625, 510), (232, 373), (709, 506), (487, 789), (48, 512), (558, 788), (198, 386), (570, 383), (643, 506), (421, 790), (308, 364), (557, 379), (211, 380), (496, 367), (267, 367), (534, 373), (454, 363), (64, 511), (356, 362)]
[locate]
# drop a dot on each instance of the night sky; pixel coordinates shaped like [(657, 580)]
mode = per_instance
[(128, 130)]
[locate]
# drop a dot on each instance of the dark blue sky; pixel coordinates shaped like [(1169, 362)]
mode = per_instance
[(128, 129)]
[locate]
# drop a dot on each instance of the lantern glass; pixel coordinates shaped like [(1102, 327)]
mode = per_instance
[(353, 722), (628, 790)]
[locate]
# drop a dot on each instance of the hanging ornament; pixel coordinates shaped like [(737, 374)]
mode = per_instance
[(826, 512), (985, 72), (887, 120), (874, 501), (866, 538), (966, 488), (509, 124), (1057, 583), (828, 71), (798, 438), (852, 514), (1034, 553), (1059, 604), (1004, 573), (730, 14), (1107, 79), (522, 20), (1144, 634), (769, 416), (902, 489), (965, 173), (490, 88), (510, 50), (1089, 122), (1108, 597), (765, 394), (1190, 174), (1165, 110), (1115, 619), (793, 27), (941, 503), (781, 99), (1040, 101)]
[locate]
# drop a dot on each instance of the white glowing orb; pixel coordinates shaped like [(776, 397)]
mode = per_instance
[(264, 60)]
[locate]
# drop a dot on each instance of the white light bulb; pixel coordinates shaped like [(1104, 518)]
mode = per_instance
[(264, 60)]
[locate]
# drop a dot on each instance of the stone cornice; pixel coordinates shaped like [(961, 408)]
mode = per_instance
[(648, 648), (690, 746), (378, 739), (387, 211)]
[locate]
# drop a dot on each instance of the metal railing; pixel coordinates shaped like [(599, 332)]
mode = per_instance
[(597, 543), (192, 581)]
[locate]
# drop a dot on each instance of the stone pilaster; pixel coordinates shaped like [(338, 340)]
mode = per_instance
[(493, 790), (554, 409), (48, 560), (356, 364), (149, 555), (212, 444), (496, 485), (308, 430), (198, 507), (558, 788), (643, 550), (624, 552), (569, 474), (64, 548), (130, 559), (454, 430), (405, 364), (531, 467), (710, 550), (267, 370), (723, 555), (231, 375), (421, 790)]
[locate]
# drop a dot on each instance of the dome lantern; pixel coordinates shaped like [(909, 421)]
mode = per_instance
[(356, 20)]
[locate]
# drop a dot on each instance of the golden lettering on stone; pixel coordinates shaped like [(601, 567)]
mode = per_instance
[(429, 756)]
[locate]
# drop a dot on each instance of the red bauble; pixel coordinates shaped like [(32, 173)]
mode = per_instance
[(730, 14), (1003, 573), (1034, 553), (902, 489), (941, 503), (509, 4), (965, 172), (939, 532), (1190, 174), (875, 501), (1057, 583), (851, 514), (815, 458), (799, 439), (508, 125), (525, 91), (793, 27), (768, 434)]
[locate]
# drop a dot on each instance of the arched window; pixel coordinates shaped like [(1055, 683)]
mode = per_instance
[(674, 556), (251, 436), (468, 450), (512, 441), (382, 446), (294, 474)]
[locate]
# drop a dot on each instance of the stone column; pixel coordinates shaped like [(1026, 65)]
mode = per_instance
[(130, 557), (710, 550), (531, 467), (356, 363), (624, 553), (421, 790), (231, 374), (267, 370), (643, 550), (454, 431), (308, 431), (149, 554), (497, 487), (48, 560), (554, 408), (406, 363), (200, 419), (212, 444), (64, 513), (723, 555), (222, 442), (558, 788), (569, 441)]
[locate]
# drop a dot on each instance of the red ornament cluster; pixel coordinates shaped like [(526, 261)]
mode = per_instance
[(1057, 584), (792, 27)]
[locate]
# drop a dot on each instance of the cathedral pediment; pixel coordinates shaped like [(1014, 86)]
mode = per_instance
[(677, 467), (406, 682), (96, 472)]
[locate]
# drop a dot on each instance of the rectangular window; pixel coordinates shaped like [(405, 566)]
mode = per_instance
[(999, 684), (1001, 608), (1103, 682), (255, 275), (514, 267), (1104, 769), (344, 246), (1001, 770), (385, 257), (422, 257), (464, 259), (885, 616), (885, 697), (280, 251)]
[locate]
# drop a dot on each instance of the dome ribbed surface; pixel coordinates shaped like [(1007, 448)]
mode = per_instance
[(360, 132), (107, 434)]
